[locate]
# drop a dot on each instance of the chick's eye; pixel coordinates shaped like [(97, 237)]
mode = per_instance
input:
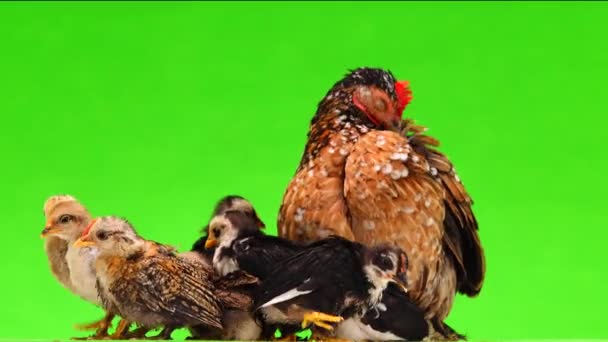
[(384, 263), (217, 232), (65, 219), (101, 235)]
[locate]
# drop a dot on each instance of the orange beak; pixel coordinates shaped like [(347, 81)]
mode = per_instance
[(84, 242), (210, 243), (84, 239), (49, 229), (399, 279)]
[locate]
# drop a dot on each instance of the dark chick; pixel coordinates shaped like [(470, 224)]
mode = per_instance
[(231, 202), (238, 321), (146, 283), (394, 318), (240, 245), (330, 280)]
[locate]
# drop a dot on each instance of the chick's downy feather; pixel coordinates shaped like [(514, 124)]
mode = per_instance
[(162, 289)]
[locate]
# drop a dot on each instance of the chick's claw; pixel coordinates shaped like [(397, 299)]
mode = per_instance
[(320, 319), (121, 330)]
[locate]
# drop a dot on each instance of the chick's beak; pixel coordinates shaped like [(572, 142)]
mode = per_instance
[(210, 243), (400, 280), (259, 222), (49, 229), (84, 242)]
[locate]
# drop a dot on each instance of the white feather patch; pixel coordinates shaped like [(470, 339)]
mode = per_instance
[(293, 293), (226, 266), (353, 329)]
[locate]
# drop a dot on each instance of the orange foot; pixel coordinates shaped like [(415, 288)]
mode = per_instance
[(320, 319), (121, 329)]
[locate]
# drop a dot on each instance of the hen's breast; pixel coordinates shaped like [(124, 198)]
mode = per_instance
[(313, 205)]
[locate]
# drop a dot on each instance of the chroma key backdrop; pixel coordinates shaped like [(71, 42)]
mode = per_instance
[(153, 111)]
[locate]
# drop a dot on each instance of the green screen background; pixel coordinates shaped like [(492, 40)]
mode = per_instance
[(153, 111)]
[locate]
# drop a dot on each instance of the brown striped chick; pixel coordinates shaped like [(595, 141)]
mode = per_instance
[(144, 283), (66, 219), (235, 291)]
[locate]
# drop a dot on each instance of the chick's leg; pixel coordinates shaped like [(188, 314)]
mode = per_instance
[(123, 326), (320, 319), (101, 325)]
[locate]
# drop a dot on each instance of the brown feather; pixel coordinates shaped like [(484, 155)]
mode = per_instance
[(461, 238), (56, 250), (376, 186), (158, 289)]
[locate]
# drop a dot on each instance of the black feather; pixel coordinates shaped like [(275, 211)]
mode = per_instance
[(259, 254), (331, 269), (402, 317)]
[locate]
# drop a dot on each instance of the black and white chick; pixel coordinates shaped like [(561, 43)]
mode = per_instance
[(241, 245), (227, 203), (239, 324), (330, 280), (394, 318)]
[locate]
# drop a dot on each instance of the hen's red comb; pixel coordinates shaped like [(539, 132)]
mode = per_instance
[(404, 94), (88, 228)]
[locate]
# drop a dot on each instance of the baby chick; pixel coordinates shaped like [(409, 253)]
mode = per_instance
[(394, 318), (227, 203), (239, 322), (330, 280), (146, 283), (66, 219), (240, 245)]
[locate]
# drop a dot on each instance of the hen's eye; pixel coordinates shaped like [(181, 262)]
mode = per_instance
[(380, 105), (217, 232), (65, 219), (102, 235)]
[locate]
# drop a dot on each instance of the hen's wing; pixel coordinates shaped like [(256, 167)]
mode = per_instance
[(394, 193), (461, 230), (172, 286)]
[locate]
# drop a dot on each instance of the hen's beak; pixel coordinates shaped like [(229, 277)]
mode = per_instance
[(83, 242), (395, 124), (49, 229), (210, 243)]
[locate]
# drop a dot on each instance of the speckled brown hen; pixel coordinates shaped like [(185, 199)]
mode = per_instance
[(360, 178), (147, 283)]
